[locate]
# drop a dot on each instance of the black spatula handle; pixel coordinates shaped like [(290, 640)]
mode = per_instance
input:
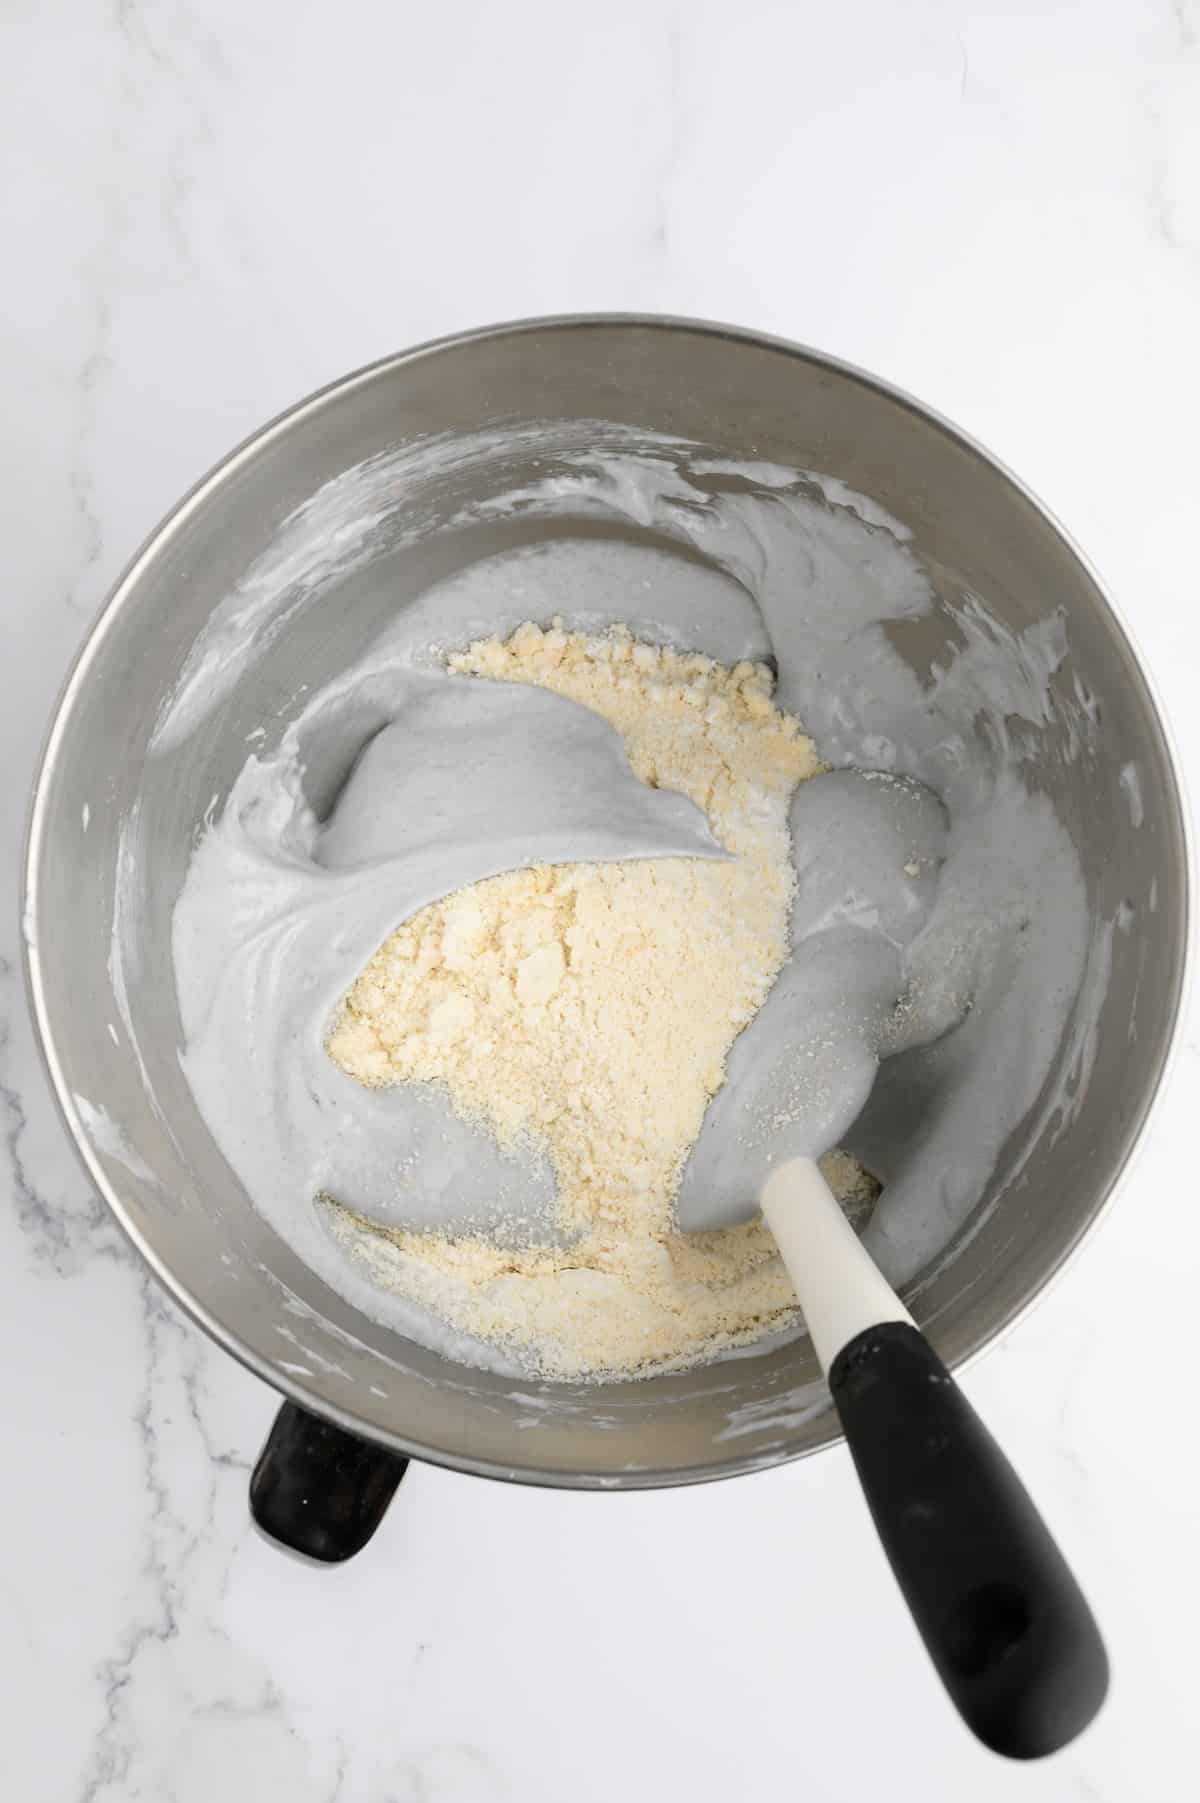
[(1003, 1619)]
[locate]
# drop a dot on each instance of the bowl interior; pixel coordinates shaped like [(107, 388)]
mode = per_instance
[(111, 1030)]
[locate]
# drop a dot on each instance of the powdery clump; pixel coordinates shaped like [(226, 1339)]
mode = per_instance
[(589, 1008)]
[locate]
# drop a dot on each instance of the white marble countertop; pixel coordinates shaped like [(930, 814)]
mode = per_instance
[(211, 208)]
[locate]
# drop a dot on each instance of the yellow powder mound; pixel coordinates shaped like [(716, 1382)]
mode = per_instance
[(590, 1008)]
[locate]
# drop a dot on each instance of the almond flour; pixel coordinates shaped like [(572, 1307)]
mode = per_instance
[(587, 1009)]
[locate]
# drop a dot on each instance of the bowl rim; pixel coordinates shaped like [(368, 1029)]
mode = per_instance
[(173, 522)]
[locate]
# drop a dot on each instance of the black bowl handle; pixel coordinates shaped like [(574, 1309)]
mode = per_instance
[(1004, 1621), (318, 1490)]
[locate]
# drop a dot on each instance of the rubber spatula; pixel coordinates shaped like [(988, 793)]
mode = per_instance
[(1003, 1619)]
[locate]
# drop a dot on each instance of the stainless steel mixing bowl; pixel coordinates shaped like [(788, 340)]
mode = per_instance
[(140, 1136)]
